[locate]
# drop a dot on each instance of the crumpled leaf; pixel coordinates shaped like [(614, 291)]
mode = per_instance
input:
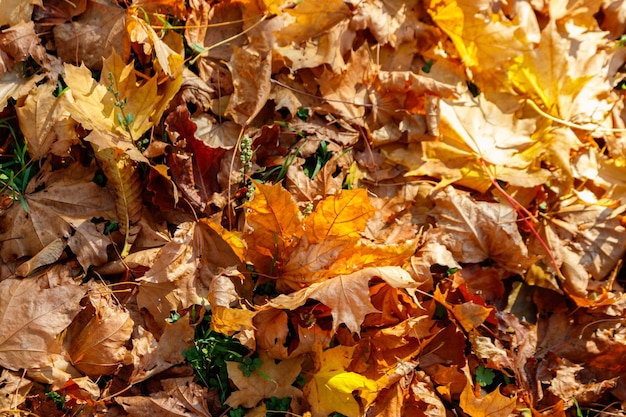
[(14, 389), (475, 230), (180, 276), (251, 72), (97, 337), (181, 398), (152, 356), (586, 241), (32, 314), (270, 380)]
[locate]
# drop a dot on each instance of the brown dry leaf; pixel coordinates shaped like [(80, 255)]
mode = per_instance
[(475, 230), (14, 389), (97, 337), (32, 316), (181, 397), (586, 241), (346, 295), (270, 380), (91, 36), (184, 268), (347, 92), (152, 356), (59, 203), (251, 71), (21, 42)]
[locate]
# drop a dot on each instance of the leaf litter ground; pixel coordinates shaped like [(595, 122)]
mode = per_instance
[(312, 208)]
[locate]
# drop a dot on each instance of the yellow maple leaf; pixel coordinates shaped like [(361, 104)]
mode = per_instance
[(117, 103), (486, 41), (330, 389)]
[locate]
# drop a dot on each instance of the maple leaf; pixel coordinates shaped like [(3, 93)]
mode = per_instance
[(117, 104), (306, 20), (347, 295), (490, 227), (269, 380), (331, 232), (32, 315), (492, 404), (52, 130), (58, 202), (88, 32), (486, 41), (474, 135), (330, 389), (181, 398)]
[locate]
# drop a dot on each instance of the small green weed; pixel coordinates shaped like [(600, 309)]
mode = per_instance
[(16, 169), (58, 399), (276, 407), (209, 354), (484, 376)]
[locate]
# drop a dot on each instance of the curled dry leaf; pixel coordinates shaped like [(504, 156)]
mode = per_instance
[(97, 337), (181, 397), (475, 230), (152, 356)]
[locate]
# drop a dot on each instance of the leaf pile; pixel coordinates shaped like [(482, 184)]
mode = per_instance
[(318, 208)]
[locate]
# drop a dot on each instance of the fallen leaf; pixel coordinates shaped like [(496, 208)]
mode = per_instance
[(97, 337), (347, 296), (58, 202), (181, 398), (33, 314), (475, 230), (269, 380), (152, 356), (331, 387), (14, 389), (492, 404)]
